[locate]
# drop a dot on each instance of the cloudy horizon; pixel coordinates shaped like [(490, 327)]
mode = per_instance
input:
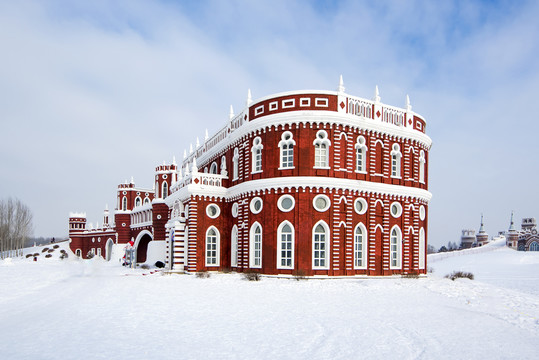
[(94, 93)]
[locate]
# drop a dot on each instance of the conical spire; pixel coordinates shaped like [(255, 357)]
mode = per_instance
[(194, 168), (184, 153), (341, 85), (198, 142), (512, 226), (482, 227), (376, 97), (231, 113), (191, 148), (408, 106), (249, 97), (206, 137), (174, 160), (132, 180)]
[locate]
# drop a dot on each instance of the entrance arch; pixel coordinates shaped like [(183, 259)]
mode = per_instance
[(141, 245), (108, 249)]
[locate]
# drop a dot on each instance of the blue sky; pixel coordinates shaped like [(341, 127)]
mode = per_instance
[(92, 93)]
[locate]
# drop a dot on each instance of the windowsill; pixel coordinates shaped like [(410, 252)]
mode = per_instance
[(213, 265), (257, 172), (320, 268), (235, 179), (285, 268), (396, 177), (286, 168), (322, 167), (255, 267), (360, 268), (360, 172)]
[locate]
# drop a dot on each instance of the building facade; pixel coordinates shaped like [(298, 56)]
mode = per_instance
[(318, 183)]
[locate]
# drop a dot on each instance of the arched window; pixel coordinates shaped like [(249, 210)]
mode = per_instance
[(235, 162), (223, 165), (395, 249), (146, 200), (164, 190), (421, 251), (156, 189), (213, 168), (234, 250), (321, 150), (287, 150), (422, 166), (256, 151), (360, 247), (138, 201), (534, 246), (361, 155), (124, 204), (321, 245), (285, 246), (255, 246), (212, 247), (396, 161)]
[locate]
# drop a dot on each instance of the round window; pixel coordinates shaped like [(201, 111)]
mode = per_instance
[(422, 213), (321, 202), (256, 205), (164, 176), (235, 209), (212, 211), (360, 206), (286, 203), (93, 239), (396, 209)]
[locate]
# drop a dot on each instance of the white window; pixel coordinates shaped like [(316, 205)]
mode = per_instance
[(287, 150), (212, 247), (361, 155), (98, 251), (156, 189), (138, 201), (285, 246), (235, 209), (421, 251), (256, 150), (164, 189), (213, 168), (422, 166), (360, 206), (360, 247), (396, 209), (146, 200), (286, 203), (256, 205), (235, 163), (234, 242), (395, 250), (321, 202), (213, 211), (422, 213), (124, 204), (321, 150), (396, 161), (255, 246), (321, 245)]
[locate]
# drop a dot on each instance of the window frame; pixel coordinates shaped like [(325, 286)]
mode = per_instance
[(280, 242), (364, 247), (321, 150), (395, 253), (286, 147), (256, 154), (326, 243), (361, 148), (254, 252), (217, 248)]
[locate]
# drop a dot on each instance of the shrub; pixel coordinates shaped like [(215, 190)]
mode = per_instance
[(90, 255), (299, 275), (251, 276), (36, 254), (56, 246), (411, 275), (145, 266), (63, 256), (50, 251), (48, 255), (45, 250), (459, 274), (63, 251), (29, 255), (159, 264), (203, 275)]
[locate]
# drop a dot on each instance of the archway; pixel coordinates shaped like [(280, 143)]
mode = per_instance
[(141, 244), (108, 249)]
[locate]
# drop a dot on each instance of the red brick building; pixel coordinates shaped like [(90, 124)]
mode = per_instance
[(319, 183)]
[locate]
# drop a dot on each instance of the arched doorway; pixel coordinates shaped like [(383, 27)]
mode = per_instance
[(108, 249), (141, 245)]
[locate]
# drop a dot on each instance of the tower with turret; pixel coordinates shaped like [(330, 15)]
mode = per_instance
[(511, 236), (481, 237)]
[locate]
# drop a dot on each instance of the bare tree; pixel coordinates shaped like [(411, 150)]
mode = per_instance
[(15, 227)]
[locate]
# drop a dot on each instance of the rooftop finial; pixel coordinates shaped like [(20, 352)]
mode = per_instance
[(191, 148), (194, 168), (408, 106), (106, 207), (481, 228), (341, 85), (206, 137), (249, 97), (132, 180), (231, 114), (174, 160), (198, 142), (512, 226), (184, 153), (376, 94)]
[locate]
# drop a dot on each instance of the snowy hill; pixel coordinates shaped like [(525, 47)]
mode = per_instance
[(89, 309)]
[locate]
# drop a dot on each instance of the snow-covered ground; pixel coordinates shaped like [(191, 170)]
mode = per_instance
[(69, 309)]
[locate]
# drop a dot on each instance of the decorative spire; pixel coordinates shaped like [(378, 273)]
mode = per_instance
[(186, 169), (481, 228), (184, 153), (341, 85), (198, 142), (191, 148), (194, 168), (180, 175), (512, 226), (408, 106), (376, 97), (249, 97), (231, 113), (206, 137), (164, 162), (132, 180), (174, 160), (106, 207)]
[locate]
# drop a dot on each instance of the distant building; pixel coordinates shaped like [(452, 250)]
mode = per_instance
[(481, 238), (467, 239), (528, 239)]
